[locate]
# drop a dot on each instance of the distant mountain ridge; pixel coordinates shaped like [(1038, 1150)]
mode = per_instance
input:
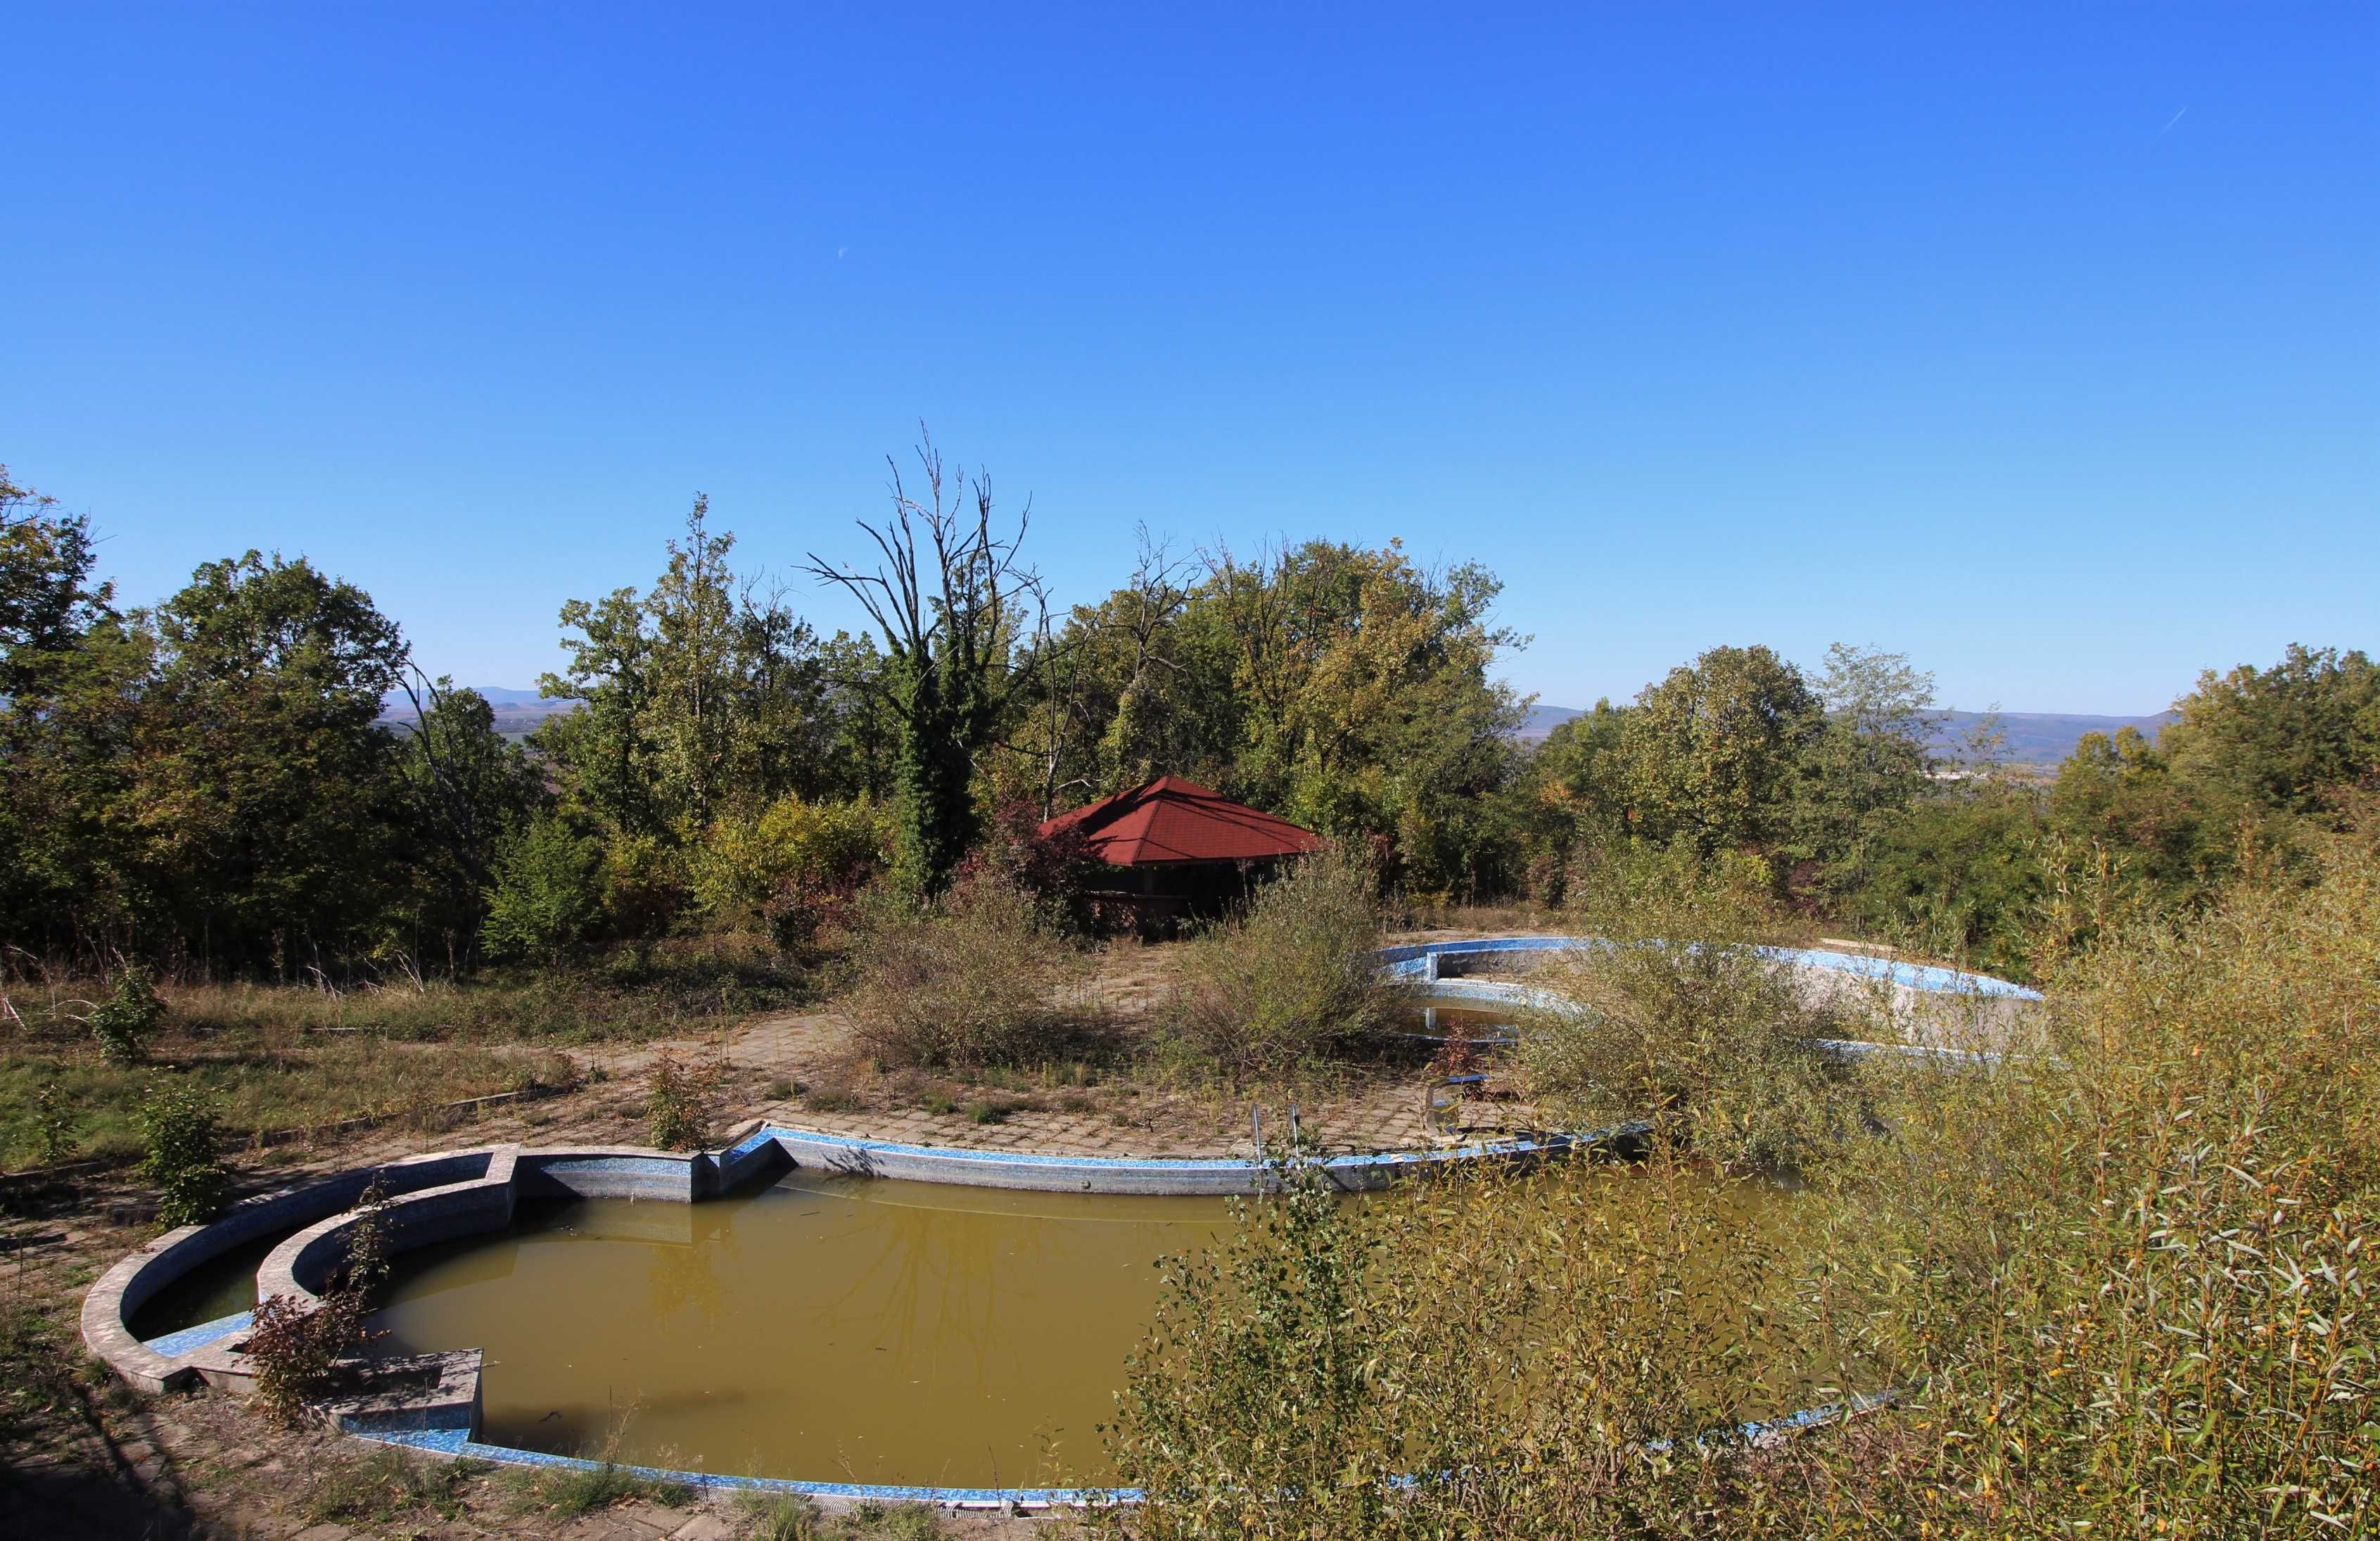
[(2029, 737), (518, 712)]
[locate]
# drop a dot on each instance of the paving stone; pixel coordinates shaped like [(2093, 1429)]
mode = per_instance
[(704, 1527), (664, 1521)]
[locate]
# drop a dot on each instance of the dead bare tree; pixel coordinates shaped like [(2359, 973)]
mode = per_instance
[(956, 606)]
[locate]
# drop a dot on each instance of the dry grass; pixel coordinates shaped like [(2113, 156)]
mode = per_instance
[(257, 1089)]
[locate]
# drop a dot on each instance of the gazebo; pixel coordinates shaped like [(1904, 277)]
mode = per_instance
[(1179, 848)]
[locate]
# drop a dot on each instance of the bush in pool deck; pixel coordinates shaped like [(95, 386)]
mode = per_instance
[(2123, 1290), (676, 1110), (177, 1130), (972, 981), (296, 1348), (1686, 1026), (1291, 979)]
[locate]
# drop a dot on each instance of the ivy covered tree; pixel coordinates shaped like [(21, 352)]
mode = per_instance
[(951, 600)]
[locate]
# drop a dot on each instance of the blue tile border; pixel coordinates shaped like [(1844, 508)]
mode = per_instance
[(1422, 959), (191, 1339), (454, 1443)]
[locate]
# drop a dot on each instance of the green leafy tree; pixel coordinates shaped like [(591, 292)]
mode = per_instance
[(1367, 705), (70, 668), (2281, 740), (465, 791), (1869, 760), (545, 899), (705, 695), (1715, 753), (266, 797), (1572, 798)]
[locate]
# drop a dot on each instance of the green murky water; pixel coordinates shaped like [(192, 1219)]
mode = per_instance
[(218, 1286), (836, 1329)]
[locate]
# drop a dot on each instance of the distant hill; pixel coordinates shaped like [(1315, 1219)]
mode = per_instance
[(1541, 720), (518, 712), (2033, 737), (2038, 737)]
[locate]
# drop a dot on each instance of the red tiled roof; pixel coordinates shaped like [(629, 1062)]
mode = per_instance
[(1171, 819)]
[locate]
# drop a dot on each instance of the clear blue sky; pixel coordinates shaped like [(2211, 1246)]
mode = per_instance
[(2042, 343)]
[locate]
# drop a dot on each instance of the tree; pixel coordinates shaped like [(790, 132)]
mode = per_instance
[(1366, 704), (705, 695), (2280, 740), (47, 602), (952, 600), (266, 795), (1715, 752), (70, 672), (467, 790), (1868, 762)]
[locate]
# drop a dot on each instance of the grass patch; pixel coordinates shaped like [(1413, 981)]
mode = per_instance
[(254, 1087), (566, 1492), (387, 1485)]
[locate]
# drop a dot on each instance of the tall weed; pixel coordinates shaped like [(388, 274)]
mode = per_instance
[(971, 982), (1290, 981)]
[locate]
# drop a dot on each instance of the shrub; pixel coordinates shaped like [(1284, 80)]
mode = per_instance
[(971, 983), (1526, 1337), (676, 1115), (643, 885), (1685, 1024), (297, 1348), (123, 1021), (54, 1123), (1049, 869), (545, 899), (793, 869), (1289, 980), (178, 1134)]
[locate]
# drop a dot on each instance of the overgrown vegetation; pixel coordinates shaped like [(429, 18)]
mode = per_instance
[(1684, 1026), (970, 982), (2120, 1289), (1275, 990), (180, 1140), (297, 1348)]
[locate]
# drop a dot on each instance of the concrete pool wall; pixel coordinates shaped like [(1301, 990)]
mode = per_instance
[(444, 1196)]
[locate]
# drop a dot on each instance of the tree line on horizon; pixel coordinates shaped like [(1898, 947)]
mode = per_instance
[(204, 784)]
